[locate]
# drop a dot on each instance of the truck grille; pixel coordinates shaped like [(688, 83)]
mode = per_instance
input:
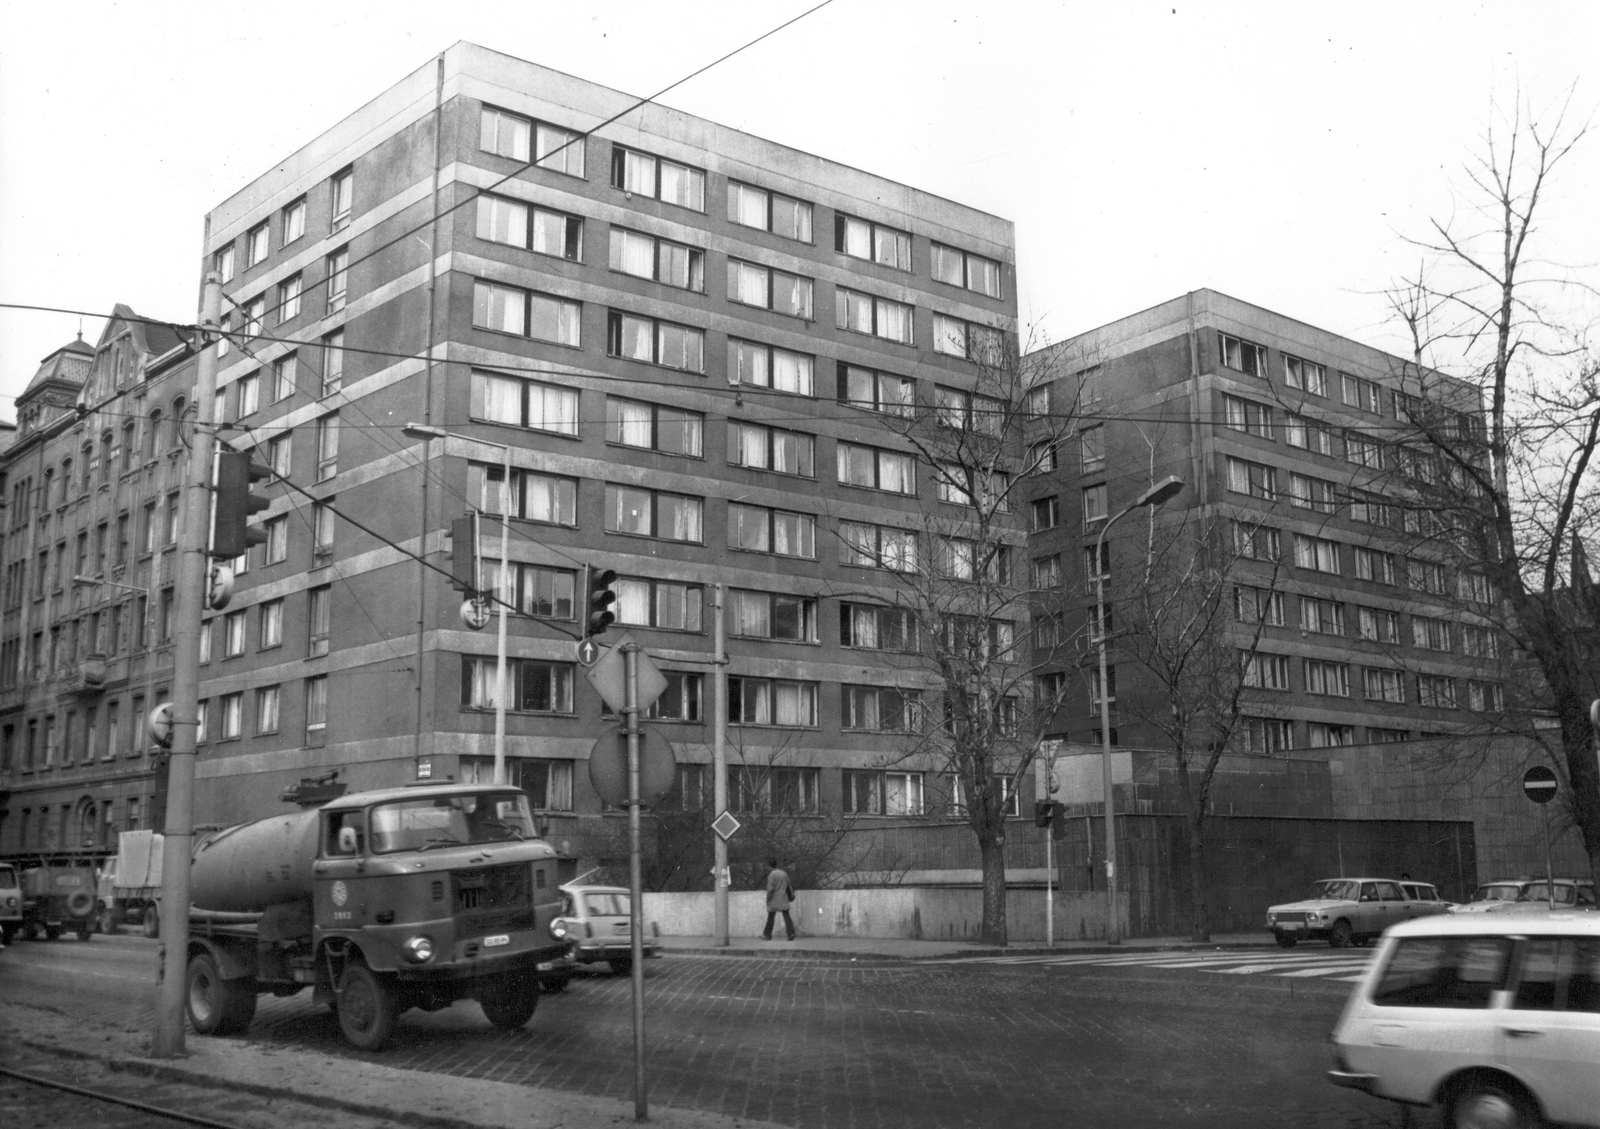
[(493, 899)]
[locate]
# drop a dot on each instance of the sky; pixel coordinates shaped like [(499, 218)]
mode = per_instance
[(1280, 153)]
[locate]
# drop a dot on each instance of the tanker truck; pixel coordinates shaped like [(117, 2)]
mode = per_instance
[(379, 902)]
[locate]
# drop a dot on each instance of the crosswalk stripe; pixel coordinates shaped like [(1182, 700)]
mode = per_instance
[(1320, 971)]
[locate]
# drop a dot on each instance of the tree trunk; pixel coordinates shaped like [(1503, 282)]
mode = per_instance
[(993, 848), (1201, 929)]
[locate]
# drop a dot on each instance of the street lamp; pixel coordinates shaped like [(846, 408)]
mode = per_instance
[(425, 433), (1163, 491)]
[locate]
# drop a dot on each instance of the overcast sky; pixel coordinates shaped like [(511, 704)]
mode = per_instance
[(1273, 151)]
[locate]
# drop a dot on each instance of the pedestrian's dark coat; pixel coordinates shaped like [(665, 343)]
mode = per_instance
[(777, 891)]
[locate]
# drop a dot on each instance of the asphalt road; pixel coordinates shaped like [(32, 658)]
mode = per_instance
[(824, 1043)]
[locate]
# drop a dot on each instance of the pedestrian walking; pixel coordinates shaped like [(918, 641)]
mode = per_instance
[(780, 896)]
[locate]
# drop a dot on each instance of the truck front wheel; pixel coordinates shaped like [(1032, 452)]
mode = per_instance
[(511, 1002), (366, 1007), (217, 1006)]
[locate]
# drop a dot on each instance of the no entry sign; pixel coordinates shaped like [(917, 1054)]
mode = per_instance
[(1539, 782)]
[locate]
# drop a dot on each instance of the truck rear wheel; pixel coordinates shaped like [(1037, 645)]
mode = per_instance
[(217, 1006), (511, 1002), (366, 1007)]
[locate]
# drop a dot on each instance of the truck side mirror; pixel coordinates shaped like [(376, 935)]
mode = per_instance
[(347, 840)]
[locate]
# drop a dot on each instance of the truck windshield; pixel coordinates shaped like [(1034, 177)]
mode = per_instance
[(443, 821), (8, 878)]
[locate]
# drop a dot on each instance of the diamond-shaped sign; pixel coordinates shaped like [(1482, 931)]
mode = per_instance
[(726, 826)]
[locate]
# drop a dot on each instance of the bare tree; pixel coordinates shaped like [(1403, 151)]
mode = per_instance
[(1191, 624), (974, 629), (1506, 478)]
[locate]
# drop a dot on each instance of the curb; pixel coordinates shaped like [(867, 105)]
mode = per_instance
[(162, 1072), (963, 954)]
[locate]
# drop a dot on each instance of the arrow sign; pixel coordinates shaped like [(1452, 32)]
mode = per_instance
[(1539, 783)]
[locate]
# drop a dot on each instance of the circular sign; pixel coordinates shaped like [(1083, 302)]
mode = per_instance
[(475, 614), (588, 651), (220, 589), (1539, 782), (608, 766), (160, 724)]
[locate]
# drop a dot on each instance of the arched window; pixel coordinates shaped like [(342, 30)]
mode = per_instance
[(130, 444), (105, 457), (152, 435), (88, 466), (178, 406), (66, 479), (46, 498)]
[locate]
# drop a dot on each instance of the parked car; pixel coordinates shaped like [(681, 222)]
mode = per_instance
[(1496, 1018), (1536, 896), (1492, 894), (10, 903), (1345, 911), (598, 922)]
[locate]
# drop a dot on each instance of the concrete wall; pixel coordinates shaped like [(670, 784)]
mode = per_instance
[(911, 912)]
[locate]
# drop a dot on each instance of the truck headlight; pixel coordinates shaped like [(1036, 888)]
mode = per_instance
[(558, 928), (419, 950)]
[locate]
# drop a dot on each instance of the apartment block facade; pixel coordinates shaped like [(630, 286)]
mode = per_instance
[(91, 478), (689, 339), (1298, 450)]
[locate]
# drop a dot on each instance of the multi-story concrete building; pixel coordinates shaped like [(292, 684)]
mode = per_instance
[(1292, 445), (90, 489), (686, 336)]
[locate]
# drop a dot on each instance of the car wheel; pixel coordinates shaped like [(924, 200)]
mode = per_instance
[(1340, 935), (1488, 1102), (217, 1006), (366, 1007), (1286, 940)]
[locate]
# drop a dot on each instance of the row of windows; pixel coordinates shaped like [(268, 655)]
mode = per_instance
[(559, 321), (541, 687), (1356, 392), (97, 732), (1323, 616), (224, 719), (1277, 735), (291, 224), (1331, 678), (118, 453), (658, 178), (1320, 554)]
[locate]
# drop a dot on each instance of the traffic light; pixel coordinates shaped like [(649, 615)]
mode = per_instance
[(598, 614), (1044, 812), (464, 576), (231, 532)]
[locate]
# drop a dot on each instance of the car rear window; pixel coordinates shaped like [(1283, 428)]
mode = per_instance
[(1559, 974), (1458, 972)]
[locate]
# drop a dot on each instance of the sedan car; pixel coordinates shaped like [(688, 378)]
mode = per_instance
[(596, 919), (1496, 1018), (1345, 911)]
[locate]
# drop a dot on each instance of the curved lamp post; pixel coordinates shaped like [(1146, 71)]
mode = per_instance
[(1163, 491)]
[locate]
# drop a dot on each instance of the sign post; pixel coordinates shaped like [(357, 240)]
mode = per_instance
[(1540, 785)]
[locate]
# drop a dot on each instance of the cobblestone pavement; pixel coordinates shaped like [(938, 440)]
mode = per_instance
[(824, 1043)]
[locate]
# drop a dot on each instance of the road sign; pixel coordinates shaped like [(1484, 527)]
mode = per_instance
[(1539, 782), (608, 766), (160, 723), (475, 614), (726, 826), (588, 651), (609, 676)]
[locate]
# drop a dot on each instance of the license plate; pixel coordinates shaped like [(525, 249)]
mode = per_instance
[(545, 965), (497, 939)]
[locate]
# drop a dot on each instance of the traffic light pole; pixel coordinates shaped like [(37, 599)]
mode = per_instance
[(168, 1039), (630, 658), (505, 598), (719, 767)]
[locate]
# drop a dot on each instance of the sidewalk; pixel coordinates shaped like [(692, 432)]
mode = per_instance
[(895, 948)]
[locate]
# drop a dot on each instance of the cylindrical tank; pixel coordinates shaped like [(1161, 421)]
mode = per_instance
[(251, 866)]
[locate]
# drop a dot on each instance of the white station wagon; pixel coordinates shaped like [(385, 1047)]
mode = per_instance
[(1346, 911), (1496, 1018)]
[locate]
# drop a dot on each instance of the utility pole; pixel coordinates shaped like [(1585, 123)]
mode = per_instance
[(168, 1041), (719, 766)]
